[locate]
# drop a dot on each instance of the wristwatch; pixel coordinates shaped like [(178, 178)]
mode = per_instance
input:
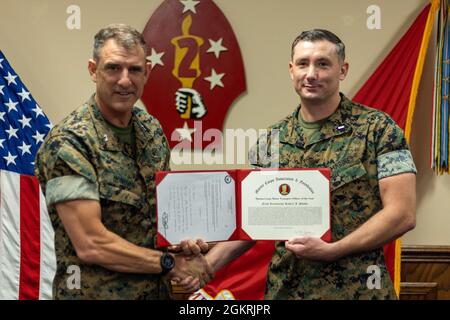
[(167, 262)]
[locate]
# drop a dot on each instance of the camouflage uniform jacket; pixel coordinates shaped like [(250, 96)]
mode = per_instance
[(361, 146), (83, 159)]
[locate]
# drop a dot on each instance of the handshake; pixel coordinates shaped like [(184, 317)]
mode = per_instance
[(191, 269)]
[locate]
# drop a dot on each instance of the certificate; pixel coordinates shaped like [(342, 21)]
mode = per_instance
[(242, 205), (196, 205), (280, 205)]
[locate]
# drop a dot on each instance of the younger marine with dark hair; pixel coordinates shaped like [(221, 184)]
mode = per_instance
[(373, 197)]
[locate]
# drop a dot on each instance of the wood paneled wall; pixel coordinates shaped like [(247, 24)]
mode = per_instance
[(425, 273)]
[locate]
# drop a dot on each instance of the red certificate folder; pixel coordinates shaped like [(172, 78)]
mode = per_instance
[(277, 182)]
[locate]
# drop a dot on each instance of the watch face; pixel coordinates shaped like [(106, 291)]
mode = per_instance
[(167, 261)]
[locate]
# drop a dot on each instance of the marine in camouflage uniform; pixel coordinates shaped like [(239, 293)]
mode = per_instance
[(82, 158), (360, 145)]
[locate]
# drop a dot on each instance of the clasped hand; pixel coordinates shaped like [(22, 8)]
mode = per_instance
[(191, 270), (310, 248)]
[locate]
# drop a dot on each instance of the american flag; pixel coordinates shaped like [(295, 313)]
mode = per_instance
[(27, 258)]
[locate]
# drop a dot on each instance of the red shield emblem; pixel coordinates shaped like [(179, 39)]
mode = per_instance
[(197, 69)]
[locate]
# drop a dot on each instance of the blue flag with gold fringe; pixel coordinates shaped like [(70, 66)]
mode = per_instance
[(440, 143)]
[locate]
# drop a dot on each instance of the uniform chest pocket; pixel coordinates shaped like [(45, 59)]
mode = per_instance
[(343, 175), (114, 193)]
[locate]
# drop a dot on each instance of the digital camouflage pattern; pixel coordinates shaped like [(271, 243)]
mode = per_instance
[(356, 143), (81, 158)]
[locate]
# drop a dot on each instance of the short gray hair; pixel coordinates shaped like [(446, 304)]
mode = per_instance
[(321, 34), (125, 35)]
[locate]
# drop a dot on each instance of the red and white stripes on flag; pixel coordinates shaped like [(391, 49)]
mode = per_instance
[(27, 258)]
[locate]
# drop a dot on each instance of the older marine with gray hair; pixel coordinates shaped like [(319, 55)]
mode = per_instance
[(97, 170)]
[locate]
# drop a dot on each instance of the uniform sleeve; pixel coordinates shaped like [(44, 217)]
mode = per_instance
[(393, 154), (65, 173)]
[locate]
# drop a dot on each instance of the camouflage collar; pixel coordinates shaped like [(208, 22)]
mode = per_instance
[(338, 123), (142, 132), (106, 136)]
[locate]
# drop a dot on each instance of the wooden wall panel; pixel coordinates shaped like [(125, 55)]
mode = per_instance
[(418, 291), (425, 272)]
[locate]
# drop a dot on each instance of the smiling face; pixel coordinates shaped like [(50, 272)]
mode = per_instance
[(120, 75), (316, 71)]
